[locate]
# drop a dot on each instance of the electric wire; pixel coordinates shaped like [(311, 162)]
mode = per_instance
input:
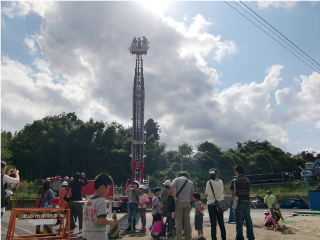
[(280, 33), (279, 36), (271, 37)]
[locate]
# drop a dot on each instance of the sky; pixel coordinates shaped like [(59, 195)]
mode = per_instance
[(210, 73)]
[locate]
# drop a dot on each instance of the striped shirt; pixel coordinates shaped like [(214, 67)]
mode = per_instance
[(242, 188)]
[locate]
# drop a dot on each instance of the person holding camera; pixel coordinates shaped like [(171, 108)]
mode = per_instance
[(6, 179), (74, 204)]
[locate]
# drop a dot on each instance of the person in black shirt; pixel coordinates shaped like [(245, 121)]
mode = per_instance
[(74, 206)]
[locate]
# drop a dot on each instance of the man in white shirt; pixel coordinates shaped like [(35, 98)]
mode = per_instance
[(6, 179)]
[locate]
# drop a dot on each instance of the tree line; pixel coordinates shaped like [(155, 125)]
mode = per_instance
[(64, 144)]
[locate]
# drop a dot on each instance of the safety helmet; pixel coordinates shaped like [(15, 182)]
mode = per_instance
[(142, 187), (136, 182), (65, 183)]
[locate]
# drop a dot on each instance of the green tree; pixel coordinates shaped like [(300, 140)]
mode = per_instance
[(185, 151), (6, 137), (152, 128)]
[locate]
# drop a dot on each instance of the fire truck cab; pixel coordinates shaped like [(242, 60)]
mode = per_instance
[(87, 190)]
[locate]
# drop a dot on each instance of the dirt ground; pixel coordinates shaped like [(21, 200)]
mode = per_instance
[(293, 228)]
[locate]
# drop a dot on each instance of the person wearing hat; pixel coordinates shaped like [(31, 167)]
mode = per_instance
[(62, 192), (163, 203), (269, 221), (142, 207)]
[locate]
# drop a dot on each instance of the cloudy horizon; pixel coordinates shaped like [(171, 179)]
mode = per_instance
[(209, 76)]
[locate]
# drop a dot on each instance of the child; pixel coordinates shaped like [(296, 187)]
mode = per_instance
[(270, 199), (133, 200), (158, 228), (198, 217), (95, 210), (155, 201), (142, 207), (62, 202), (269, 221)]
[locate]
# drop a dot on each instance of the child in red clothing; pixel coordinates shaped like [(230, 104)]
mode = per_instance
[(158, 228)]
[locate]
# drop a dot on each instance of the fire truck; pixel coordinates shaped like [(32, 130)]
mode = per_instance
[(88, 190)]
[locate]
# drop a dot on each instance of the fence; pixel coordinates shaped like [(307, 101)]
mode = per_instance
[(283, 189), (30, 191)]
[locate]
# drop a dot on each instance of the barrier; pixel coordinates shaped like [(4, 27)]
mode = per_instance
[(40, 213), (114, 230)]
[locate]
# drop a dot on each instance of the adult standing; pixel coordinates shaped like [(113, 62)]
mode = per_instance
[(242, 189), (133, 200), (164, 197), (214, 191), (182, 190), (164, 210), (6, 179), (74, 205), (46, 197)]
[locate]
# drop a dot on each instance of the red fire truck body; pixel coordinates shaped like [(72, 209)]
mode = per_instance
[(87, 190)]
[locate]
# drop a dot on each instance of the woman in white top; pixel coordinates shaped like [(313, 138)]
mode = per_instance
[(216, 185), (6, 179)]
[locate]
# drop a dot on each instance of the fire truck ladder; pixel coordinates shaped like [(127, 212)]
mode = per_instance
[(138, 47)]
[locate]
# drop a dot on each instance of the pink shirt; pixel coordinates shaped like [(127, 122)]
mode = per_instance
[(268, 219), (156, 227), (143, 199)]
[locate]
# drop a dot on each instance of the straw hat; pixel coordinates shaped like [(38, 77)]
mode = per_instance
[(167, 183)]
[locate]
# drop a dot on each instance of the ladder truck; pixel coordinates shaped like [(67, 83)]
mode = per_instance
[(138, 47)]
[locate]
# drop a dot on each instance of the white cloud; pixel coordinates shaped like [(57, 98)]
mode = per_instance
[(3, 24), (317, 125), (310, 150), (23, 8), (303, 105), (277, 4), (197, 42), (88, 69), (31, 44)]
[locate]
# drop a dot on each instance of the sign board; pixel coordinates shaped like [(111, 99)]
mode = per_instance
[(40, 213)]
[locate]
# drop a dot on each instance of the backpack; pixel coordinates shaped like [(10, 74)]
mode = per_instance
[(68, 194), (5, 199), (171, 206)]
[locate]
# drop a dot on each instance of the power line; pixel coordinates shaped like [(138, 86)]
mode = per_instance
[(280, 33), (272, 37)]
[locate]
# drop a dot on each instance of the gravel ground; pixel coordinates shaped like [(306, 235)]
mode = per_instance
[(293, 228)]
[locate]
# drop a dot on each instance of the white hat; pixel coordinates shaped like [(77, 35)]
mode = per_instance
[(167, 183), (65, 183), (142, 187)]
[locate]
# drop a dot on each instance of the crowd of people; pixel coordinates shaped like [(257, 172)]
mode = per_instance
[(173, 202)]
